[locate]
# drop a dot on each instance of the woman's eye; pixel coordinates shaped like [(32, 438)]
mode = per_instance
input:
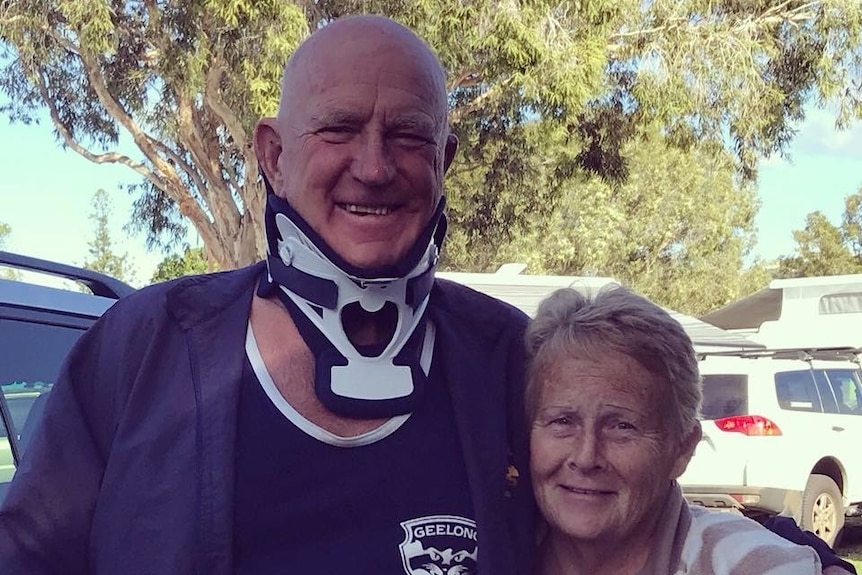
[(622, 426)]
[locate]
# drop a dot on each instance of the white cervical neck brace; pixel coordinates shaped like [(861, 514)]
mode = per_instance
[(356, 385)]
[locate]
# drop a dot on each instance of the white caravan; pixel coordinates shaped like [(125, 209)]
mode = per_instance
[(811, 312), (526, 291)]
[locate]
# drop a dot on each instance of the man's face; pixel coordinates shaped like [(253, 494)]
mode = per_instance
[(363, 148)]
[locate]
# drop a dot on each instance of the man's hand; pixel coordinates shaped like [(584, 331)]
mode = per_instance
[(787, 528)]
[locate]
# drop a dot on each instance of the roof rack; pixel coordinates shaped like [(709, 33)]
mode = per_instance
[(98, 283), (846, 353)]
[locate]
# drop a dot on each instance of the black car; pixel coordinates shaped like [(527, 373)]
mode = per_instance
[(38, 326)]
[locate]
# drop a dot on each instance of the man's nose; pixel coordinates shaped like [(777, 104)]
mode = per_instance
[(372, 162), (586, 452)]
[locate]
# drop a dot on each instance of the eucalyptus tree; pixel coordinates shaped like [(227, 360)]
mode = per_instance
[(543, 94)]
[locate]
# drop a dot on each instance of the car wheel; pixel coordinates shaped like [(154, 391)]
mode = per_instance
[(822, 508)]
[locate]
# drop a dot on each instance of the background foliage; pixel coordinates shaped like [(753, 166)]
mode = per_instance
[(6, 272), (102, 256), (824, 249), (609, 137)]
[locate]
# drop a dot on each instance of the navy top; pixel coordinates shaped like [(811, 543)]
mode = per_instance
[(398, 505)]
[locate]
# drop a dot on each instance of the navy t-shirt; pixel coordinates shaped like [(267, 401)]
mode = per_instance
[(393, 501)]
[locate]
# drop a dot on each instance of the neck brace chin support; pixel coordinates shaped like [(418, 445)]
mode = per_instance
[(316, 285)]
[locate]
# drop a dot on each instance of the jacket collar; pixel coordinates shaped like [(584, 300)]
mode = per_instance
[(213, 311), (486, 398), (195, 299)]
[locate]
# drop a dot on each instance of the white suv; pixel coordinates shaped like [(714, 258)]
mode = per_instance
[(781, 435)]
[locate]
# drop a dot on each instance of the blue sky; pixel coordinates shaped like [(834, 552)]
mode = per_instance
[(45, 192)]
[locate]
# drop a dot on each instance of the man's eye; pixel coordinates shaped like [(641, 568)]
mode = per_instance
[(561, 420), (337, 132), (410, 138)]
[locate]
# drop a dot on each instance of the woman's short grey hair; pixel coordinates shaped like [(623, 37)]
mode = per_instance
[(617, 319)]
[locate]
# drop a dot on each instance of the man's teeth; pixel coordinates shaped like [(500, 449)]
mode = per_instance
[(357, 209), (586, 491)]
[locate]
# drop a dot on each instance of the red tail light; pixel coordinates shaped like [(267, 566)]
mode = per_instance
[(748, 424)]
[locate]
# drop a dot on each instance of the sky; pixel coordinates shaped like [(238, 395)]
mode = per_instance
[(45, 192)]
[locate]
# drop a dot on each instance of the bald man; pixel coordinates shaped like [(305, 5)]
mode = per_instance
[(332, 409)]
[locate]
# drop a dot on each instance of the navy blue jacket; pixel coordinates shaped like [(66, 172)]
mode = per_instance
[(132, 470)]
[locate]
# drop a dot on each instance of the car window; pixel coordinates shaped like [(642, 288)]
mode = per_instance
[(724, 395), (846, 386), (827, 395), (30, 358), (796, 391)]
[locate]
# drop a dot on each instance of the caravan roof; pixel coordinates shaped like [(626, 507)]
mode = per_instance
[(526, 291), (793, 299)]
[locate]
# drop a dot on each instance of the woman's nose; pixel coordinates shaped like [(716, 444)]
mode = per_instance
[(586, 452)]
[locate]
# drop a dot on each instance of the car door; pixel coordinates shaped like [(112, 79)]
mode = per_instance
[(805, 432), (33, 344), (7, 458), (846, 386)]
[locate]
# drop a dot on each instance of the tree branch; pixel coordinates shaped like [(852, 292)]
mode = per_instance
[(772, 15), (228, 167), (6, 7), (206, 155), (181, 162), (458, 113), (106, 158), (464, 79), (172, 184), (9, 21), (213, 99), (218, 107)]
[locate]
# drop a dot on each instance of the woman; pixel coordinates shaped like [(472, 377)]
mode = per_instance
[(612, 397)]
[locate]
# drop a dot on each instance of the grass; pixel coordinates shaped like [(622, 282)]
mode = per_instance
[(851, 543)]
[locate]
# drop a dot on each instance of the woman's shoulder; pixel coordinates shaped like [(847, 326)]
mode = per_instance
[(719, 543)]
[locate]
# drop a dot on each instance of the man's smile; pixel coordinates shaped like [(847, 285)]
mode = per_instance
[(366, 210)]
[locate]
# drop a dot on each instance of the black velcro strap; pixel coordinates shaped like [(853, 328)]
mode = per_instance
[(320, 291)]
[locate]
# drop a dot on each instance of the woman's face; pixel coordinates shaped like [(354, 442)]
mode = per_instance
[(601, 461)]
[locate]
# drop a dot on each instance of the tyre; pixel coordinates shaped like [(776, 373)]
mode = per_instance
[(822, 508)]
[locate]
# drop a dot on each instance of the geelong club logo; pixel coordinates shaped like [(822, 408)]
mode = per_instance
[(439, 545)]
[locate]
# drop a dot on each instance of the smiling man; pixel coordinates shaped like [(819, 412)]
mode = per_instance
[(332, 409), (361, 141), (356, 341)]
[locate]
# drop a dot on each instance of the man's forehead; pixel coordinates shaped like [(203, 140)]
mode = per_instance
[(380, 56), (351, 96), (409, 117), (395, 69)]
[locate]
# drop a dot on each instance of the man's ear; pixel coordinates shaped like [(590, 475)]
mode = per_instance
[(267, 148), (449, 152), (686, 450)]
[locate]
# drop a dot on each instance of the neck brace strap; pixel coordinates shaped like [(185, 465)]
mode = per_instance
[(316, 285)]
